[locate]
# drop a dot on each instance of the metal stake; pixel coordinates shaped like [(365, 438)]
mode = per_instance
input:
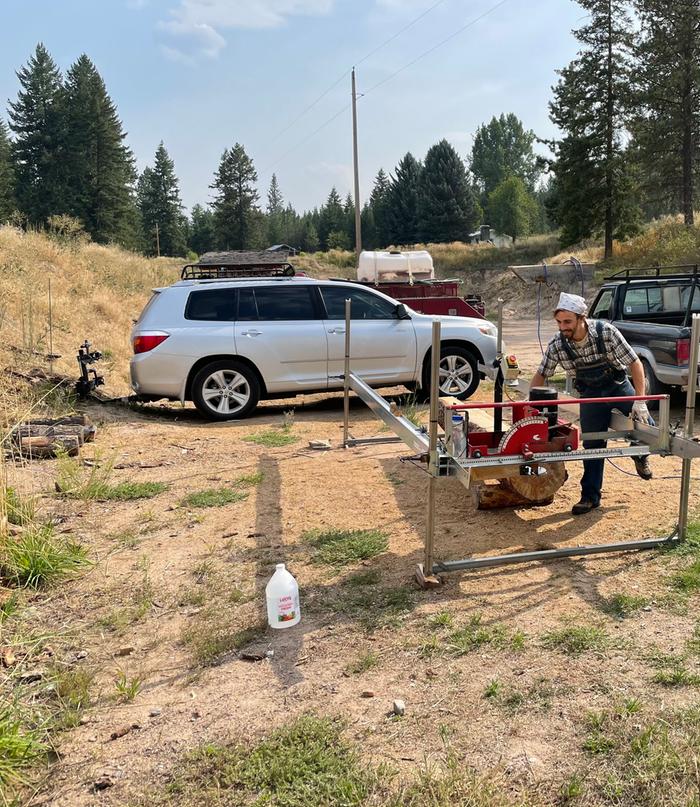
[(50, 331), (346, 376), (432, 450), (498, 389), (689, 423)]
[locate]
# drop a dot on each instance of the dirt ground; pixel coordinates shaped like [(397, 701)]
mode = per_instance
[(183, 705)]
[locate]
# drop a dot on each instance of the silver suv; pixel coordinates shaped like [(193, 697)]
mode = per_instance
[(225, 344)]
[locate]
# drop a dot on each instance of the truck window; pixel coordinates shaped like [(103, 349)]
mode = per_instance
[(602, 307), (643, 301), (684, 292)]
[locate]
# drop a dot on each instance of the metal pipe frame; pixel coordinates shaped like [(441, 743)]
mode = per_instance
[(442, 464), (689, 423)]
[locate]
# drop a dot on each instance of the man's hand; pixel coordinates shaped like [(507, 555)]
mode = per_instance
[(640, 412)]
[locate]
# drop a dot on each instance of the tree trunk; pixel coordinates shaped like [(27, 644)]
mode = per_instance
[(687, 159), (610, 112)]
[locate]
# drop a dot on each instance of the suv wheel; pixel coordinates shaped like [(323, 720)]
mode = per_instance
[(459, 373), (225, 389)]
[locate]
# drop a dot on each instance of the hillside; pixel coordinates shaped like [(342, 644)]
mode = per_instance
[(97, 291)]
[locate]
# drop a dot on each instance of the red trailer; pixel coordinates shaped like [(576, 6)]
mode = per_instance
[(432, 296)]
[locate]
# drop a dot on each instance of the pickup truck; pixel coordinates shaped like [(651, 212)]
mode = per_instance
[(653, 311)]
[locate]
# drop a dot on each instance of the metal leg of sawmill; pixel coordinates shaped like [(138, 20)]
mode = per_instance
[(689, 424), (424, 571)]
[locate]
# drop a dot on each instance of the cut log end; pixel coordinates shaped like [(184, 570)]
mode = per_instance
[(521, 491)]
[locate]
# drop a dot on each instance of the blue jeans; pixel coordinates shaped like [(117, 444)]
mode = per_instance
[(596, 418)]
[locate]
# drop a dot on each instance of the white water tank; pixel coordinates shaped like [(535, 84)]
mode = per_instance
[(375, 266)]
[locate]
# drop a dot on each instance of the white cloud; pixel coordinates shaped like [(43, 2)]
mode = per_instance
[(196, 24), (195, 37)]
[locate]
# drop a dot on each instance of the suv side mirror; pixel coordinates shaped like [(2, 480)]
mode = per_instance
[(400, 311)]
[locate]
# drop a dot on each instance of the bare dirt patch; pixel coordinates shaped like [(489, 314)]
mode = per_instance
[(174, 606)]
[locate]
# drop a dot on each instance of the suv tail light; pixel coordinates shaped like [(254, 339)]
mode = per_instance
[(147, 341), (682, 351)]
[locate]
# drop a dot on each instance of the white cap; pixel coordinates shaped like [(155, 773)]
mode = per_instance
[(571, 302)]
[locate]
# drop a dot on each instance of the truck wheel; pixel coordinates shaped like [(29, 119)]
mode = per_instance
[(225, 389), (459, 373), (652, 385)]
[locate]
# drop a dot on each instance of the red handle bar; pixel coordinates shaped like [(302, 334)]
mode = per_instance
[(558, 402)]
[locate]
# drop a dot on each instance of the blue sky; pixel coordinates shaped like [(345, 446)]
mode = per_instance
[(203, 74)]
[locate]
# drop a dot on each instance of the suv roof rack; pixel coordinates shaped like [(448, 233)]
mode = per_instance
[(671, 272), (215, 265)]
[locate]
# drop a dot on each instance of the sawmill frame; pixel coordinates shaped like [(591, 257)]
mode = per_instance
[(655, 439)]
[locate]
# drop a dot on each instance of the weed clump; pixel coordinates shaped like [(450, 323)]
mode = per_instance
[(576, 639), (273, 438), (38, 557), (216, 497), (305, 763), (76, 480), (342, 547)]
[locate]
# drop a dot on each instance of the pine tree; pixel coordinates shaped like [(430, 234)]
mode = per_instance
[(236, 199), (275, 212), (666, 123), (379, 202), (512, 208), (349, 210), (594, 179), (160, 206), (7, 176), (369, 230), (503, 148), (201, 231), (99, 168), (447, 207), (332, 219), (275, 203), (36, 118), (402, 205), (310, 242)]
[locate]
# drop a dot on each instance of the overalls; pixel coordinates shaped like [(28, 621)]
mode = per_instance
[(597, 379)]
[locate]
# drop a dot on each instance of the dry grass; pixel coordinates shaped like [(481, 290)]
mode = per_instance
[(96, 292)]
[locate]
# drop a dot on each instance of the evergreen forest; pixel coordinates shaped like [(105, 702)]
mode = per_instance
[(627, 109)]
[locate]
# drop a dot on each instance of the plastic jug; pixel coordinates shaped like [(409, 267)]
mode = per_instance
[(459, 439), (282, 595)]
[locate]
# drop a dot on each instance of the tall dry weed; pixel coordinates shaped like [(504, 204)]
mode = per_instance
[(96, 293)]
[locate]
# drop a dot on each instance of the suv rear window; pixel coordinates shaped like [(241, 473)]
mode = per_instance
[(213, 305), (278, 303)]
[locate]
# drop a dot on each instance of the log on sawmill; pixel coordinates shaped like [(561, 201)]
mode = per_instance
[(533, 490), (507, 486), (45, 437)]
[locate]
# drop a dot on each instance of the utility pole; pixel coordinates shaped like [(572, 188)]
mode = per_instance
[(157, 241), (358, 226)]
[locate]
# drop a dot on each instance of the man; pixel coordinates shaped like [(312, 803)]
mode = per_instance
[(598, 355)]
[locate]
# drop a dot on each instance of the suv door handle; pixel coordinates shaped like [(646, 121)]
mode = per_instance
[(252, 332), (336, 330)]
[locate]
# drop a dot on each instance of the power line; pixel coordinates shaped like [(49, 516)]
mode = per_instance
[(387, 78), (435, 47), (310, 106), (399, 32), (347, 72), (308, 137)]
